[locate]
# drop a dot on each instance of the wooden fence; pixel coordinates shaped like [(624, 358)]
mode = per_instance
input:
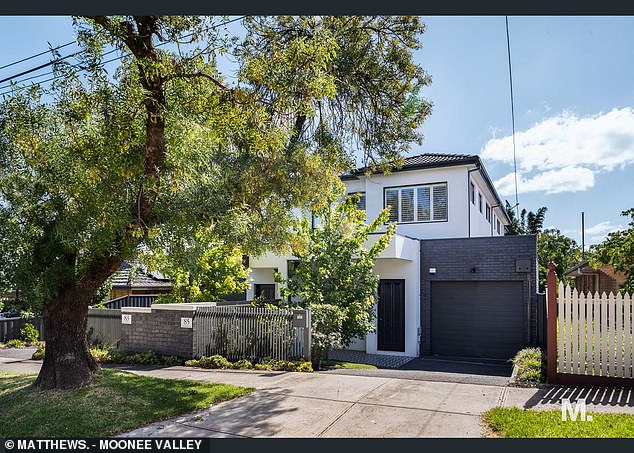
[(590, 337), (594, 333), (239, 332), (10, 327), (102, 326)]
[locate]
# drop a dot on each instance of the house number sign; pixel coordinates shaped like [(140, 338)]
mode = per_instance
[(126, 319), (186, 323)]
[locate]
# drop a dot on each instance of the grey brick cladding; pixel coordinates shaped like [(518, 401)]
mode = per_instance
[(159, 331), (493, 258)]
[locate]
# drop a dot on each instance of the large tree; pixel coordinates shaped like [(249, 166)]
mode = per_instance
[(97, 164), (617, 250)]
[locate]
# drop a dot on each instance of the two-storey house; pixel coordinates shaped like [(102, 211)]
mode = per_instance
[(431, 197)]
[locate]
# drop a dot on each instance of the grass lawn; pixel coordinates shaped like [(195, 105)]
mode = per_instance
[(334, 364), (515, 422), (116, 401)]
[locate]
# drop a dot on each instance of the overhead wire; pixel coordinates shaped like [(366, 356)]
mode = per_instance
[(508, 49), (52, 62)]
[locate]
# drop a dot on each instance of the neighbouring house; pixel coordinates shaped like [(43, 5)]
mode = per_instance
[(129, 281), (588, 279), (451, 282)]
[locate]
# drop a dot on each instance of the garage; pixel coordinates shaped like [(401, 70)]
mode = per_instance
[(477, 318)]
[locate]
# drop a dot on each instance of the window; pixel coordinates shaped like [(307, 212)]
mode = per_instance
[(472, 194), (488, 213), (480, 202), (498, 225), (425, 203), (361, 203)]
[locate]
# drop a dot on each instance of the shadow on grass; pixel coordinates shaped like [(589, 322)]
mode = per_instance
[(115, 401)]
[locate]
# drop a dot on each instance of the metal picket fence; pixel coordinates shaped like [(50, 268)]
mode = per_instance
[(239, 332)]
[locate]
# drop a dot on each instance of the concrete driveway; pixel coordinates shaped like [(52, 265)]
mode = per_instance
[(324, 405)]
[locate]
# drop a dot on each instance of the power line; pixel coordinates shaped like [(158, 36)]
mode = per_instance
[(508, 49), (76, 66), (37, 55)]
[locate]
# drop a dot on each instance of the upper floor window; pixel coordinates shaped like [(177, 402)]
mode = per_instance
[(488, 213), (424, 203), (472, 194), (497, 222), (480, 202), (361, 202)]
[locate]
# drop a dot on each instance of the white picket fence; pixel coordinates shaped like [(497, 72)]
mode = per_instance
[(594, 333)]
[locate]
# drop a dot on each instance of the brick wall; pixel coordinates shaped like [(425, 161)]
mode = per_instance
[(494, 259), (158, 330)]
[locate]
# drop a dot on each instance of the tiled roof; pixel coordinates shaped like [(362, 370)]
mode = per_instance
[(427, 160), (126, 277)]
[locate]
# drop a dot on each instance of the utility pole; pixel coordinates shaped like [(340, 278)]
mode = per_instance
[(583, 237)]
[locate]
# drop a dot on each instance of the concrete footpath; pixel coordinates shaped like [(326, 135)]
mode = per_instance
[(331, 405)]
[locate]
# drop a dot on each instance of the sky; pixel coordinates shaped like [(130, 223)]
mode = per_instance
[(573, 83)]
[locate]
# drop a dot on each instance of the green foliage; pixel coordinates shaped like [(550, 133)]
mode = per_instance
[(242, 364), (531, 366), (102, 295), (39, 352), (553, 245), (29, 334), (267, 363), (166, 146), (271, 364), (201, 270), (617, 250), (335, 275), (15, 343), (529, 222)]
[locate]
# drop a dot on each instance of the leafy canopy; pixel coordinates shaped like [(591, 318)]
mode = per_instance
[(99, 163), (553, 245), (617, 250)]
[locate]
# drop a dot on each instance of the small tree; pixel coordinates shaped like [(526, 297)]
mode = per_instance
[(529, 222), (335, 276), (553, 245), (203, 269), (617, 250)]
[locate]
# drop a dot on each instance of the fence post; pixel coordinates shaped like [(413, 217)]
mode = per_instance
[(307, 340), (551, 313)]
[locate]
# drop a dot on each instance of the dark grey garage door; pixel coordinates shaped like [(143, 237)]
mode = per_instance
[(477, 319)]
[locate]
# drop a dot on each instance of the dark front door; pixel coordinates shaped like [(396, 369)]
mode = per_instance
[(391, 314), (266, 291)]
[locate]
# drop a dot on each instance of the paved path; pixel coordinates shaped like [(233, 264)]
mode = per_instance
[(335, 405)]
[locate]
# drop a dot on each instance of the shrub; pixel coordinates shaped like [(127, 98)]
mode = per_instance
[(213, 362), (101, 354), (192, 362), (29, 334), (15, 344), (242, 365), (531, 366), (39, 352)]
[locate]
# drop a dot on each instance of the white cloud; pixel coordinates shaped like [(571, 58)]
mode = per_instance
[(598, 232), (568, 179), (553, 150)]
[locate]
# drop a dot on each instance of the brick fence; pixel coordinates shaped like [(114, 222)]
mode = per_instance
[(165, 329)]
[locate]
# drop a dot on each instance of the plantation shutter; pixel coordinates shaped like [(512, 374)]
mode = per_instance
[(391, 200), (407, 205), (440, 202), (423, 207)]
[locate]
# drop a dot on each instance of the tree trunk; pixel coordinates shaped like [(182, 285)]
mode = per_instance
[(67, 363)]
